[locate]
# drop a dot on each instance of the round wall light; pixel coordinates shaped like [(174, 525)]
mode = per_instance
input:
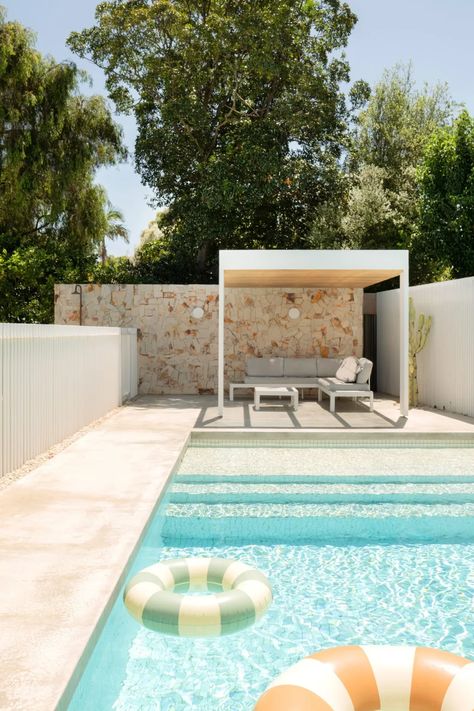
[(294, 313), (197, 312)]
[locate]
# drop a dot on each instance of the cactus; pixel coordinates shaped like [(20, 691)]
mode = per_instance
[(418, 335)]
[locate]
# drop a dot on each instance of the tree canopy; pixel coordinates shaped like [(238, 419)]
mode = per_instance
[(380, 209), (240, 113), (444, 240), (52, 140)]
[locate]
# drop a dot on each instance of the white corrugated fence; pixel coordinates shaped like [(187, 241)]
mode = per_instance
[(446, 364), (55, 380)]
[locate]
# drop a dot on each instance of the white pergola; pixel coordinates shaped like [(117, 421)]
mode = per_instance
[(314, 268)]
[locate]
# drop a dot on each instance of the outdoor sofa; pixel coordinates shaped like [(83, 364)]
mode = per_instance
[(318, 373)]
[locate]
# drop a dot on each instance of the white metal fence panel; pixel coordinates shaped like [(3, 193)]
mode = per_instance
[(446, 364), (53, 381)]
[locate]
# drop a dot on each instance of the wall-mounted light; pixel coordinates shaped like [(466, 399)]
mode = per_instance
[(197, 312), (294, 313), (78, 290)]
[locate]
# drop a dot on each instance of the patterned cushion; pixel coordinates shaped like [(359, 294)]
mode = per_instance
[(348, 370)]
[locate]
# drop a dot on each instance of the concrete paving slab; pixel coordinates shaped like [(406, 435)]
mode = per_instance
[(312, 415), (68, 530)]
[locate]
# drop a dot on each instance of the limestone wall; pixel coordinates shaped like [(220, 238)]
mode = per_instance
[(178, 353)]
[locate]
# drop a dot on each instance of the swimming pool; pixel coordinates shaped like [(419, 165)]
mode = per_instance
[(371, 546)]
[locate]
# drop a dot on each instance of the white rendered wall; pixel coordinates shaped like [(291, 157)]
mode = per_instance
[(446, 364), (55, 380)]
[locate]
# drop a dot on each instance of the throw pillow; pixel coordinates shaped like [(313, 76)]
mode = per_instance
[(348, 370)]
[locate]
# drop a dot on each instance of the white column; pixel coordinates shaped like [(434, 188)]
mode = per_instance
[(220, 345), (404, 342)]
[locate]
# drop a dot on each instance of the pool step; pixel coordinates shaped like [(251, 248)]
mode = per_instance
[(253, 479), (241, 524), (237, 492)]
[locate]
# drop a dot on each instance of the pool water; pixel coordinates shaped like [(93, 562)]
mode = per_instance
[(350, 563)]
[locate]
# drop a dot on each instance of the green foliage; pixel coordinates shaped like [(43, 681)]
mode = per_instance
[(155, 262), (153, 230), (114, 270), (418, 334), (240, 115), (444, 241), (114, 229), (381, 205), (52, 140), (392, 130)]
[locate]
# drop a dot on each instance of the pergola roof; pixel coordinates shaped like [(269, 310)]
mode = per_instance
[(314, 268), (308, 277), (308, 268)]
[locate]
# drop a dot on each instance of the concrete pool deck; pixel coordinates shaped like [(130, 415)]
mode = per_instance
[(68, 530), (70, 526)]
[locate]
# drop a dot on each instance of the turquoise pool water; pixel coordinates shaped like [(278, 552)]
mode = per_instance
[(351, 560)]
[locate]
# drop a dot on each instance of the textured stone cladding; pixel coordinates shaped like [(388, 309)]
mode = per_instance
[(178, 353)]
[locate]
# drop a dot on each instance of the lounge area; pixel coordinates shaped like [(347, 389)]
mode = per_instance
[(335, 377), (334, 365)]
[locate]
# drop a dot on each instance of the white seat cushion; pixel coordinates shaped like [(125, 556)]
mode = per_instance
[(335, 384), (254, 380)]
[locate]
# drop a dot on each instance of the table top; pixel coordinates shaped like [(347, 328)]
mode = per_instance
[(274, 390)]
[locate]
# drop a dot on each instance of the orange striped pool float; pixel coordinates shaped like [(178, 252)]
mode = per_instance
[(374, 678)]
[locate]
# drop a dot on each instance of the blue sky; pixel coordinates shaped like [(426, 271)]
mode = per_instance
[(435, 35)]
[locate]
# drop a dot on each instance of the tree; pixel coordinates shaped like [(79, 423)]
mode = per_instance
[(115, 270), (380, 209), (444, 242), (392, 130), (115, 228), (240, 114), (153, 230), (52, 140)]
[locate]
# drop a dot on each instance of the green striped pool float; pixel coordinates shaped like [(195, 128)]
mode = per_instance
[(156, 596)]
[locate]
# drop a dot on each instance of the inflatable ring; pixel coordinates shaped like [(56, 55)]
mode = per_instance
[(154, 597), (369, 678)]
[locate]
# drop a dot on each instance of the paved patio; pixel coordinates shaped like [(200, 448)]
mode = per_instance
[(70, 527), (314, 416)]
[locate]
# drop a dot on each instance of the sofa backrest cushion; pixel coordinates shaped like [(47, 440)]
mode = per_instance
[(348, 370), (327, 367), (265, 367), (365, 371), (300, 367)]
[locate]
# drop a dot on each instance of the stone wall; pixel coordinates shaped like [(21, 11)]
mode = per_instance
[(178, 353)]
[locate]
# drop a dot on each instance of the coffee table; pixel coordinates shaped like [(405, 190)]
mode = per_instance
[(275, 391)]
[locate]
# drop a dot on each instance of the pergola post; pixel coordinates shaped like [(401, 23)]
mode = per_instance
[(220, 343), (404, 341)]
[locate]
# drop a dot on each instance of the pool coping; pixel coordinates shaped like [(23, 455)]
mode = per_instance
[(71, 686), (324, 435)]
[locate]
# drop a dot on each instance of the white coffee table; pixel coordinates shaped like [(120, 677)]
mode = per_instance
[(276, 391)]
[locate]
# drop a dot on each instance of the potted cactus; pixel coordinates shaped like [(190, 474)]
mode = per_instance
[(419, 331)]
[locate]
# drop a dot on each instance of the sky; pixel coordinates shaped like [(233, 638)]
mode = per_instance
[(435, 35)]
